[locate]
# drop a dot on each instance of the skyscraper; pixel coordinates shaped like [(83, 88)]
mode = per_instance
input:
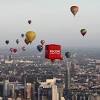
[(29, 91), (6, 89), (67, 76), (67, 93)]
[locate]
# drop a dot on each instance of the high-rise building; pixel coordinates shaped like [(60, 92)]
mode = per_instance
[(10, 99), (62, 98), (6, 90), (18, 98), (72, 69), (55, 94), (60, 87), (45, 93), (98, 64), (67, 76), (29, 91), (67, 93), (35, 90), (74, 97), (1, 89), (49, 91), (1, 98), (92, 97)]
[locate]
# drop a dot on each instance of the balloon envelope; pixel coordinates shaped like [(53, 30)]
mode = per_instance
[(29, 21), (74, 10), (22, 35), (83, 31), (7, 41), (53, 52), (23, 48), (26, 41), (39, 48), (42, 42), (14, 50), (67, 54), (11, 49), (30, 36), (17, 41)]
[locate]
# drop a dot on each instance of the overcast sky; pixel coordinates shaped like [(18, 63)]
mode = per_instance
[(52, 21)]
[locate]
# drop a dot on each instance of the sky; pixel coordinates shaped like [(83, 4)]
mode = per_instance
[(52, 21)]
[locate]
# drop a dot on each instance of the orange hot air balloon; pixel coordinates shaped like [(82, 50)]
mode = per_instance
[(74, 10)]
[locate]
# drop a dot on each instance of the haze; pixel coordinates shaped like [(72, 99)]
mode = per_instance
[(51, 20)]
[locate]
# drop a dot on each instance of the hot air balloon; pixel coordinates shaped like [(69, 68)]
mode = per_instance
[(17, 41), (83, 31), (53, 52), (14, 50), (11, 49), (26, 41), (22, 35), (42, 42), (74, 10), (29, 21), (7, 42), (30, 36), (39, 48), (23, 48), (67, 54)]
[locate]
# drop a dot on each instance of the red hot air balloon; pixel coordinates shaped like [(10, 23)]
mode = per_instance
[(53, 52), (74, 10), (83, 32), (14, 50)]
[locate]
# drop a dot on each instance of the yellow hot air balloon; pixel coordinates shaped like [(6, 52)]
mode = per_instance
[(30, 36)]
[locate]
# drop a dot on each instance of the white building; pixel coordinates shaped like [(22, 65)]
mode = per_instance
[(49, 91)]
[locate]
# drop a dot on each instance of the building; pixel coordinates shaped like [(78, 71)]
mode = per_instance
[(49, 90), (28, 91), (98, 64), (67, 76)]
